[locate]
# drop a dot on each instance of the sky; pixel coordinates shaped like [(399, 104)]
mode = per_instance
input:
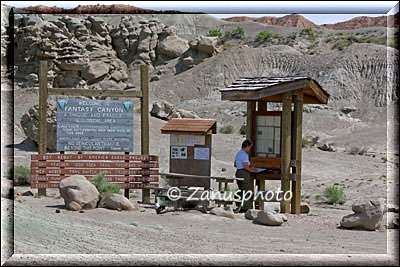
[(325, 12)]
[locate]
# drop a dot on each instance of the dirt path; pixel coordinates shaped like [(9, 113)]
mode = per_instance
[(38, 229)]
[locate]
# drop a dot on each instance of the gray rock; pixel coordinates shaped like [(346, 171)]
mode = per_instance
[(304, 207), (327, 147), (161, 109), (117, 202), (367, 215), (268, 218), (30, 125), (284, 218), (95, 70), (251, 214), (173, 46), (207, 45), (347, 110), (78, 193), (27, 194), (223, 212)]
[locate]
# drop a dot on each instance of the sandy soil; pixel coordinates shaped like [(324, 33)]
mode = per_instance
[(39, 229)]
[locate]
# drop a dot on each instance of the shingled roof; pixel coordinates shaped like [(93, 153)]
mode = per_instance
[(190, 126), (271, 89)]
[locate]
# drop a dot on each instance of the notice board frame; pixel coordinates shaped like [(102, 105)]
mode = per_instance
[(142, 94)]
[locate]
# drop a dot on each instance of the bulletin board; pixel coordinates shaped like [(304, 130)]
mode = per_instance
[(191, 154)]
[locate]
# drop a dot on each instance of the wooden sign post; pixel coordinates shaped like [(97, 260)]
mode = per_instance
[(143, 94)]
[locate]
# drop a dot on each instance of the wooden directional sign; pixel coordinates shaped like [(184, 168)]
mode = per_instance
[(121, 185), (94, 125)]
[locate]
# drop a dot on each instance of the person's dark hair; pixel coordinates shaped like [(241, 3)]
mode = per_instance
[(246, 143)]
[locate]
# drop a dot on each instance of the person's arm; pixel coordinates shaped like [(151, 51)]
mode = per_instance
[(248, 168)]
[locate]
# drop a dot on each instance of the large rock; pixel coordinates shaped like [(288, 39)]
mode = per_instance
[(30, 125), (206, 45), (327, 147), (173, 46), (268, 218), (161, 109), (78, 193), (223, 211), (304, 207), (117, 202), (251, 214), (367, 215), (95, 70)]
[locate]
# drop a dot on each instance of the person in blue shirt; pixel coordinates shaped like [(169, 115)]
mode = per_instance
[(242, 164)]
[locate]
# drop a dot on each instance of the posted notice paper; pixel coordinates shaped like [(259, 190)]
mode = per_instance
[(201, 153), (199, 140), (190, 140), (182, 140)]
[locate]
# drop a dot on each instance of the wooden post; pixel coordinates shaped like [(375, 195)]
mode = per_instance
[(42, 113), (251, 106), (261, 198), (144, 105), (296, 151), (286, 147), (127, 190)]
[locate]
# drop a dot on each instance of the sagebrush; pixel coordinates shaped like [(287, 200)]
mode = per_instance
[(335, 195), (104, 187)]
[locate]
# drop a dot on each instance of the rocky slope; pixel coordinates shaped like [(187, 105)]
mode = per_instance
[(295, 20)]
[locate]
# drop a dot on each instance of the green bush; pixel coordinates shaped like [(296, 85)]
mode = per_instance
[(238, 33), (104, 187), (308, 32), (313, 45), (264, 36), (214, 33), (228, 129), (335, 195), (20, 175), (341, 44)]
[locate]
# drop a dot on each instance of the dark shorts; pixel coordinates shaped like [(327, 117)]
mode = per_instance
[(245, 184)]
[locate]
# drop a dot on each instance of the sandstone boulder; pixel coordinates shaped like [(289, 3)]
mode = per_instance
[(367, 215), (117, 202), (161, 109), (223, 211), (304, 207), (173, 46), (78, 193), (95, 71), (327, 147), (268, 218), (30, 125), (251, 214)]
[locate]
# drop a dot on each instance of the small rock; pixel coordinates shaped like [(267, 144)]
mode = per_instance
[(73, 205), (268, 218), (327, 147), (135, 224), (81, 211), (347, 110), (392, 208), (223, 212), (283, 216), (27, 193), (223, 169), (58, 211), (304, 207)]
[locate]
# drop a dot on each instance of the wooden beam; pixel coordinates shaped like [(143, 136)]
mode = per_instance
[(254, 95), (144, 106), (296, 152), (94, 93), (251, 106), (286, 147), (42, 113)]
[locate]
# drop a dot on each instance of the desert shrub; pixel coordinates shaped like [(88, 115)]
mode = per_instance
[(308, 32), (238, 33), (384, 159), (20, 175), (317, 197), (335, 195), (313, 45), (393, 42), (228, 129), (214, 33), (341, 44), (264, 36), (104, 187)]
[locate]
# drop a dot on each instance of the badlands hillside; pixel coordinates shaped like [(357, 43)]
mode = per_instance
[(192, 56)]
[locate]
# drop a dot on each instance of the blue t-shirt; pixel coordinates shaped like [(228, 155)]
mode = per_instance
[(241, 157)]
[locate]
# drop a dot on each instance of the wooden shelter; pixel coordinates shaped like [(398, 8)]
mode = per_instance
[(277, 135), (190, 148)]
